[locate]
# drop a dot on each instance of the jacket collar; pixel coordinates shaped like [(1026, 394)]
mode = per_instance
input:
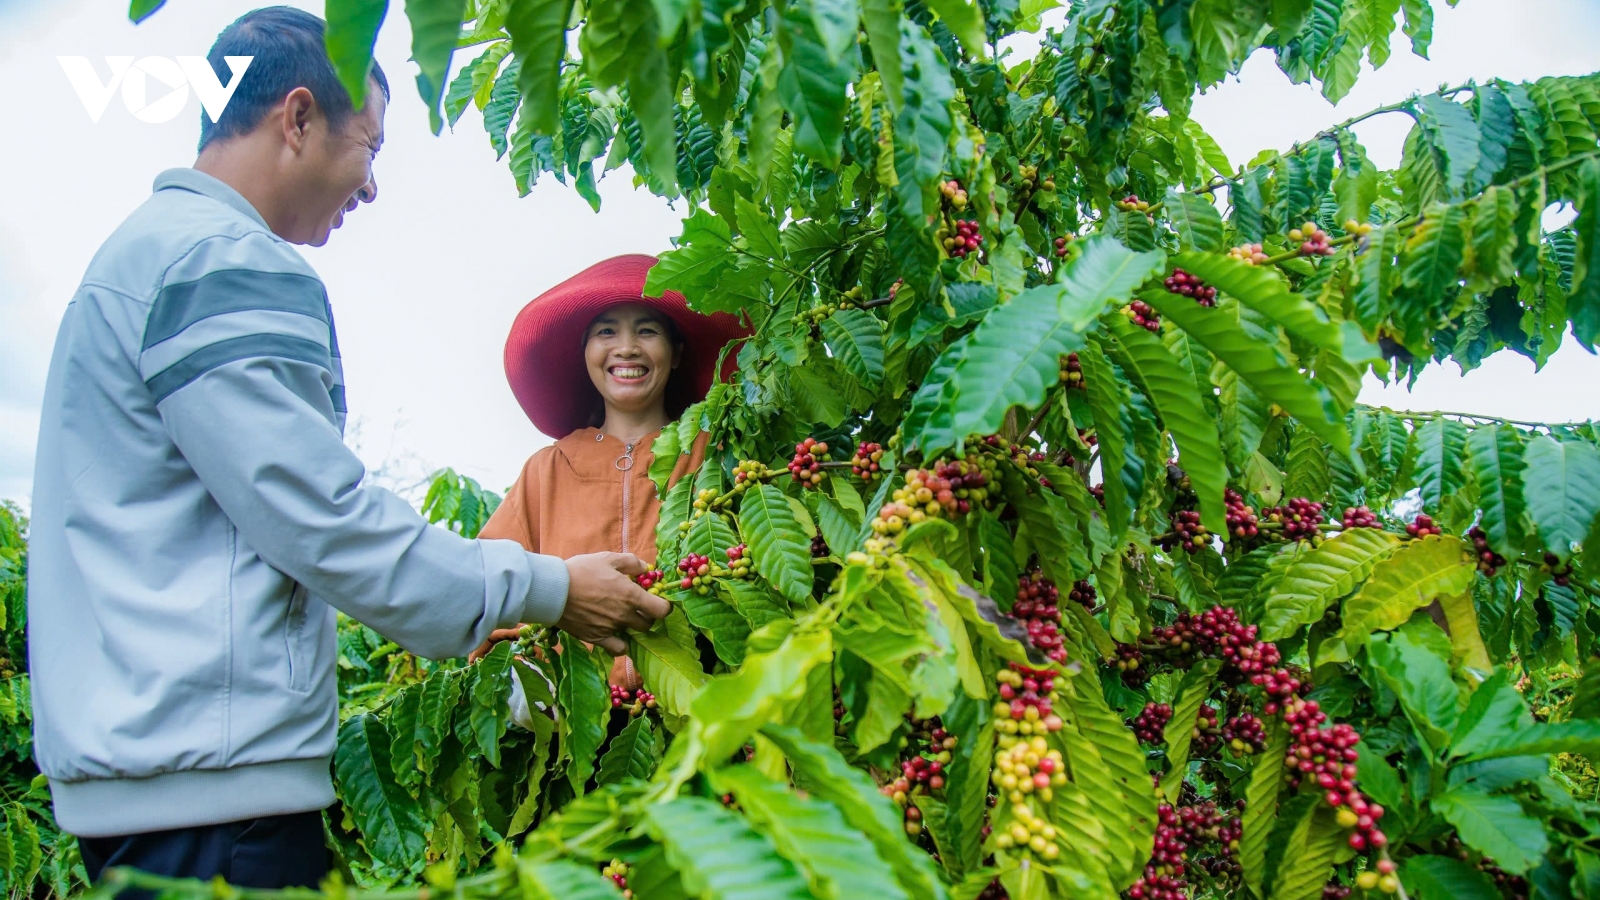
[(199, 182)]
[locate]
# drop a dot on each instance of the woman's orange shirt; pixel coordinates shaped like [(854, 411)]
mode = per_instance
[(588, 493)]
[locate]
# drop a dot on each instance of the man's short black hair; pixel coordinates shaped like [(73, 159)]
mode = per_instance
[(287, 44)]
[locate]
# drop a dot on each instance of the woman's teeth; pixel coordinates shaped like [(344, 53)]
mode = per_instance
[(629, 371)]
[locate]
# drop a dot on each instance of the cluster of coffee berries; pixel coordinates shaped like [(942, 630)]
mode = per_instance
[(1359, 517), (1559, 572), (1333, 890), (1326, 755), (994, 890), (1143, 315), (866, 463), (703, 500), (1083, 593), (1130, 662), (1026, 767), (1207, 735), (1218, 633), (1245, 734), (1024, 707), (1187, 285), (1187, 533), (852, 298), (1036, 607), (1249, 253), (1422, 526), (819, 546), (1299, 518), (1489, 561), (954, 194), (1029, 183), (1359, 229), (1382, 878), (1132, 203), (806, 467), (636, 702), (966, 239), (812, 318), (1163, 877), (1149, 726), (617, 871), (1061, 245), (920, 770), (1028, 831), (1072, 373), (750, 471), (1279, 684), (648, 580), (1313, 241), (740, 565), (1242, 521), (696, 570)]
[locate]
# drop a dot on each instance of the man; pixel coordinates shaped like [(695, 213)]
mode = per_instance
[(197, 517)]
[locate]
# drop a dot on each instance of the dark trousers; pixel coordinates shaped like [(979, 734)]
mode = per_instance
[(271, 852)]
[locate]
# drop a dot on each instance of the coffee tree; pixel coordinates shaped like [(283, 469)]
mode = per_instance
[(1043, 550)]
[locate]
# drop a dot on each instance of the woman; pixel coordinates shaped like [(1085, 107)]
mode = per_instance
[(603, 368)]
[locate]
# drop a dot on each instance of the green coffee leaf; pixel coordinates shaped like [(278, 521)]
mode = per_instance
[(1443, 878), (633, 753), (1184, 414), (1496, 455), (1409, 579), (1261, 804), (668, 670), (1562, 484), (1013, 357), (352, 33), (856, 338), (1310, 582), (387, 816), (585, 703), (718, 856), (1441, 448), (782, 551), (1308, 858), (813, 834), (823, 773), (1263, 366), (1496, 827)]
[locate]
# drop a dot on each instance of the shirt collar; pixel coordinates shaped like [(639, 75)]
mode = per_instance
[(207, 186)]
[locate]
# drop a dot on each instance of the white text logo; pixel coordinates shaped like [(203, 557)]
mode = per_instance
[(134, 78)]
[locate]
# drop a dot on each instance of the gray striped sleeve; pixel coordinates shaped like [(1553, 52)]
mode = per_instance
[(235, 299)]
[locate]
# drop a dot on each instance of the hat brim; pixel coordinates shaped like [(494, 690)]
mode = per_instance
[(544, 352)]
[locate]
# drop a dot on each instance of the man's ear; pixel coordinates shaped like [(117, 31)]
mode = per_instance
[(298, 113)]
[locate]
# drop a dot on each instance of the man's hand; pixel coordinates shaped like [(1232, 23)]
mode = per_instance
[(603, 599)]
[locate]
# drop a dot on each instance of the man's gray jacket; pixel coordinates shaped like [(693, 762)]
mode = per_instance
[(196, 520)]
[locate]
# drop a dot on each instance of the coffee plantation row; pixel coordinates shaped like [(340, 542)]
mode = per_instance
[(1044, 550)]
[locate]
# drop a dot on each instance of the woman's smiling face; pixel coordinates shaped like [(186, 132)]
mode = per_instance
[(629, 353)]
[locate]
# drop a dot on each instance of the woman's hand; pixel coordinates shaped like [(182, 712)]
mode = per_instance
[(495, 637), (603, 600)]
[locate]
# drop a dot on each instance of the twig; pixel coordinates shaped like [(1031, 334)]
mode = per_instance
[(1475, 417)]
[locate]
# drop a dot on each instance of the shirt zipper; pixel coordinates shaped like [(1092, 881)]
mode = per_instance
[(627, 479)]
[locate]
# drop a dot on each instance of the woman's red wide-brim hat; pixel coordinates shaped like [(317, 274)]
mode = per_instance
[(544, 353)]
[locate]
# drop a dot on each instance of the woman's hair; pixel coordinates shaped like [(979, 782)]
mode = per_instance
[(677, 394)]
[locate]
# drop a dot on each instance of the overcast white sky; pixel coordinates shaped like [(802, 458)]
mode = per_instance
[(425, 282)]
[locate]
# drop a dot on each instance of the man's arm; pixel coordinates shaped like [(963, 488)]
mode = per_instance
[(242, 368)]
